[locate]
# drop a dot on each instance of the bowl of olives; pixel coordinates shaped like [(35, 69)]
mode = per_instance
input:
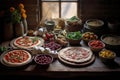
[(43, 59)]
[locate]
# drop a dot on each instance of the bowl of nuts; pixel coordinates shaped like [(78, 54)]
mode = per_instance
[(88, 36), (107, 56)]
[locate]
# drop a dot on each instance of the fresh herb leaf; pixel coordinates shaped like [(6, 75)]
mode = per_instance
[(35, 39), (74, 35)]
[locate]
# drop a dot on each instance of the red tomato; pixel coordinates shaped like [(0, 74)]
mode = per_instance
[(47, 35)]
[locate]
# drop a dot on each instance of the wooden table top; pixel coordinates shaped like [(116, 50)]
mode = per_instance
[(58, 69)]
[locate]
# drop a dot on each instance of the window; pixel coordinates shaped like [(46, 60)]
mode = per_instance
[(58, 9)]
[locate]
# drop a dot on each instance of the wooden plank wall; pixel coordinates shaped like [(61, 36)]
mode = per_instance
[(88, 9), (102, 9), (32, 10)]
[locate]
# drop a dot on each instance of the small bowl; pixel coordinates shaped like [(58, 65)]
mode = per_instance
[(49, 25), (74, 42), (107, 56), (73, 26), (94, 23), (53, 45), (74, 38), (88, 36), (96, 45), (112, 42), (43, 59)]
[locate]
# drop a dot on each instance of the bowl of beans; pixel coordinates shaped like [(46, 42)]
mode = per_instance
[(96, 45), (43, 59), (107, 56)]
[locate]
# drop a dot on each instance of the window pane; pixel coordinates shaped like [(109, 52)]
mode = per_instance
[(59, 0), (69, 0), (49, 0), (68, 9), (50, 10)]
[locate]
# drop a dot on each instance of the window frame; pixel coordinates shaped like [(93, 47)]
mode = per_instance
[(59, 2)]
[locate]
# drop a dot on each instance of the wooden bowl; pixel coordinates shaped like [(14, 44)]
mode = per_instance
[(107, 56), (88, 36), (74, 42), (96, 45), (43, 59), (74, 38)]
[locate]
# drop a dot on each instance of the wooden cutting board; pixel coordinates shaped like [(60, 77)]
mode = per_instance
[(77, 64)]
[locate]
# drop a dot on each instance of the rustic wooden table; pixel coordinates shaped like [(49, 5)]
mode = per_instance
[(60, 70)]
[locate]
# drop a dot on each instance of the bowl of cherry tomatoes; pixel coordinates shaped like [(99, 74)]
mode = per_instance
[(96, 45)]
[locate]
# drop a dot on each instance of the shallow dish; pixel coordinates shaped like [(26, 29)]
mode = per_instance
[(16, 58), (112, 42), (25, 42), (94, 23)]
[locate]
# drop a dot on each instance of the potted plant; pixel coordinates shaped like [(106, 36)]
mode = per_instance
[(18, 18)]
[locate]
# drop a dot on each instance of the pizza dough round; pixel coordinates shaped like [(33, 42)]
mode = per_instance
[(26, 42), (17, 57), (76, 54)]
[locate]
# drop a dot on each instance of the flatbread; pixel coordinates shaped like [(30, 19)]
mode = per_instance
[(16, 57), (26, 42), (76, 54)]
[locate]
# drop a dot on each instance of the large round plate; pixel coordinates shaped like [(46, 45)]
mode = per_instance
[(77, 63), (8, 65), (14, 46)]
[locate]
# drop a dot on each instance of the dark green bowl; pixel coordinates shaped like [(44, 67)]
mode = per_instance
[(112, 42)]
